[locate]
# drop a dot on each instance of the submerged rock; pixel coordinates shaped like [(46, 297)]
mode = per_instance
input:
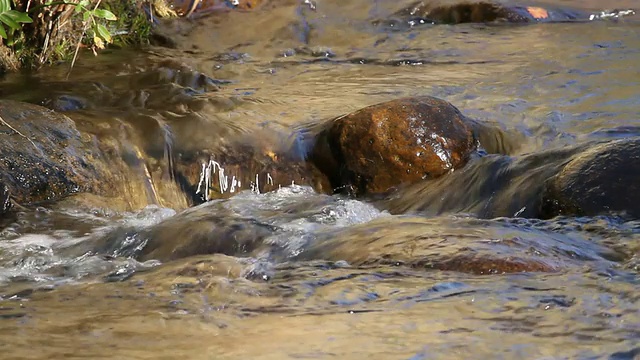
[(207, 229), (203, 231), (235, 227), (455, 243), (603, 179), (401, 141), (43, 157)]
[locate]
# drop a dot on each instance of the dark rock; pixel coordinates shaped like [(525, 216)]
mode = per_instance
[(488, 187), (489, 264), (400, 141), (457, 12), (203, 231), (65, 103), (582, 180), (43, 157), (603, 179)]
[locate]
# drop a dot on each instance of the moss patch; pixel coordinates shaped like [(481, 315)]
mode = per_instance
[(133, 27)]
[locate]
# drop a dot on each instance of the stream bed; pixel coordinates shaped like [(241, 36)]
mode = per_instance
[(317, 276)]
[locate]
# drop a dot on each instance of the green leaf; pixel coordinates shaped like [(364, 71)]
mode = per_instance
[(105, 14), (3, 34), (103, 32), (7, 20), (86, 16), (5, 5), (18, 16), (81, 6)]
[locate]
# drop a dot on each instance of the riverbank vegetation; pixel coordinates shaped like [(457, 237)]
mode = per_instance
[(34, 33)]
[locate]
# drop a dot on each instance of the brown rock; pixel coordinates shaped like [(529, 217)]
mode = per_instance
[(487, 265), (400, 141)]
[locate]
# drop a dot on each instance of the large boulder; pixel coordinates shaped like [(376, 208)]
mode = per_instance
[(603, 179), (401, 141), (43, 157)]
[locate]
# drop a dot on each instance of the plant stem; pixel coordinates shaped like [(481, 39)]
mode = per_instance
[(84, 30), (53, 3), (18, 132)]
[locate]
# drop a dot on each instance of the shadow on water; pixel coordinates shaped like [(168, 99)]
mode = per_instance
[(455, 267)]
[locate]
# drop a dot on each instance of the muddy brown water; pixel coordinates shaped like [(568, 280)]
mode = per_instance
[(332, 277)]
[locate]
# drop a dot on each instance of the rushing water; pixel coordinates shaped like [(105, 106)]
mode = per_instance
[(317, 276)]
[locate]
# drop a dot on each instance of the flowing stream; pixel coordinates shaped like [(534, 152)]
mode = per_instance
[(300, 275)]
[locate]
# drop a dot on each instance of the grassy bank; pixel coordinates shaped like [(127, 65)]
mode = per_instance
[(34, 33)]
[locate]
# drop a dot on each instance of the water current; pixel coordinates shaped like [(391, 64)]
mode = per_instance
[(296, 274)]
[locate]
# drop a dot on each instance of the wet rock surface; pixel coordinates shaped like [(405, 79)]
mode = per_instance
[(367, 152), (43, 157), (401, 141), (603, 179)]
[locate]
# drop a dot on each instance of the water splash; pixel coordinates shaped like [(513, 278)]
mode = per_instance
[(206, 180)]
